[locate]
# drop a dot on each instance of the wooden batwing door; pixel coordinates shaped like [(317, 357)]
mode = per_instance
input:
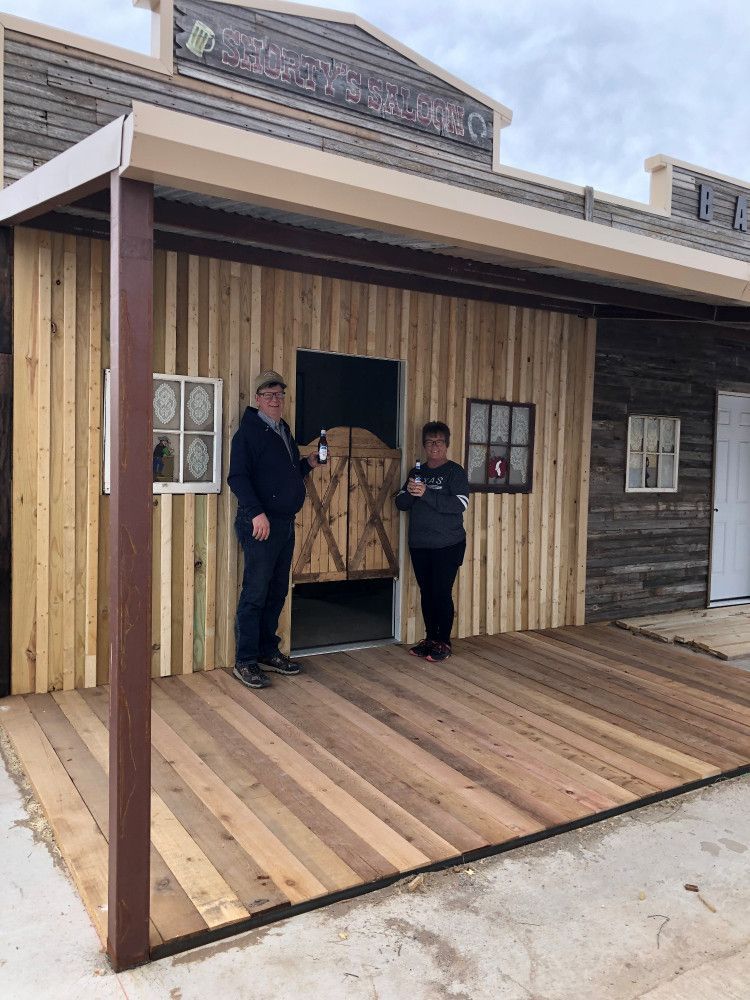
[(348, 526)]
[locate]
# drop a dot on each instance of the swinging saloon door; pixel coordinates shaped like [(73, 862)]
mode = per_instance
[(348, 526)]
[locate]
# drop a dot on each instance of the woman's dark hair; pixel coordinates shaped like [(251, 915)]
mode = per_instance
[(436, 427)]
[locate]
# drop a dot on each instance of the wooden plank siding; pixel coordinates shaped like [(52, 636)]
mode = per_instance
[(54, 97), (525, 556), (649, 552)]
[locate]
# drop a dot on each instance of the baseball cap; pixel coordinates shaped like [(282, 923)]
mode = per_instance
[(268, 378)]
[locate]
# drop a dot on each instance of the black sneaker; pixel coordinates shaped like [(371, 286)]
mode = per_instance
[(251, 675), (422, 648), (440, 651), (281, 664)]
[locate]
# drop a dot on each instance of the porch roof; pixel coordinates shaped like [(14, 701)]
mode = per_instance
[(183, 153)]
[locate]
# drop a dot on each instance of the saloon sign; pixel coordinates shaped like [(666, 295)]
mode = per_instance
[(241, 45)]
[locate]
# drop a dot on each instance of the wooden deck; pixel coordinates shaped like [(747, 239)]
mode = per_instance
[(373, 763), (722, 632)]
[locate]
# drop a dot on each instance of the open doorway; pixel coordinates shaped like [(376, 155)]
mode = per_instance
[(346, 562)]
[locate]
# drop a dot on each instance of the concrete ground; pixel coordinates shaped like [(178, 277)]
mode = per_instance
[(598, 914)]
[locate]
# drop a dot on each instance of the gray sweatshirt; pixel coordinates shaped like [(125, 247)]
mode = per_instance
[(436, 520)]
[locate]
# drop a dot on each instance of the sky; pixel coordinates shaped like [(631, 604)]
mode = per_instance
[(595, 86)]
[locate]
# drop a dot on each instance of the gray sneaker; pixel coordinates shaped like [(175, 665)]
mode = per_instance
[(281, 664), (251, 675)]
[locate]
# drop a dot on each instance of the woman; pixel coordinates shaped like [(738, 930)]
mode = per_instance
[(436, 496)]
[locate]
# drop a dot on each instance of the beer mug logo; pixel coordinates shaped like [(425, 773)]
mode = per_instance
[(202, 39)]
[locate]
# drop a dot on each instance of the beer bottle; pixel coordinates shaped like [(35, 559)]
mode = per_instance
[(418, 473), (323, 448)]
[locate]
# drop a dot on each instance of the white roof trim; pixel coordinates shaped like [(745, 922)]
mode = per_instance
[(167, 147), (67, 176), (660, 161), (161, 146)]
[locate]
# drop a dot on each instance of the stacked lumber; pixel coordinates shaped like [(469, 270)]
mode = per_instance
[(723, 632)]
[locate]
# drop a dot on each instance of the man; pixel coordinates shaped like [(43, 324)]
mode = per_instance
[(266, 475)]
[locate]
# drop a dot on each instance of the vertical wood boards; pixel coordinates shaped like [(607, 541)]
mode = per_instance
[(525, 563), (6, 449)]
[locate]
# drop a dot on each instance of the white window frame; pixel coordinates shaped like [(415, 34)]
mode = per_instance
[(676, 477), (179, 487)]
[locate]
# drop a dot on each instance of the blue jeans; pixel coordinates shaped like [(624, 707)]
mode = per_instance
[(265, 583)]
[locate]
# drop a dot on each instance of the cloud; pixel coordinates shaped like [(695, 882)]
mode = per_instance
[(595, 87)]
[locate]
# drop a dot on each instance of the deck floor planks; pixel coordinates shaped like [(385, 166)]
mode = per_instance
[(594, 758), (372, 762), (706, 674), (665, 688), (709, 678), (77, 834), (387, 786), (697, 713), (489, 813), (600, 700), (590, 788), (397, 854), (616, 732), (234, 773), (171, 906), (252, 885), (212, 897), (485, 759), (196, 696)]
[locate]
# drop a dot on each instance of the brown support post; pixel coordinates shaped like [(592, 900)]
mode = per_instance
[(6, 449), (131, 342)]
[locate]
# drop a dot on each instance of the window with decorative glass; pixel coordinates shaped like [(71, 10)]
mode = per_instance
[(653, 454), (499, 446), (186, 453)]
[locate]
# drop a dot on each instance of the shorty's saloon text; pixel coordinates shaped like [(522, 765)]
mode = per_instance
[(240, 44)]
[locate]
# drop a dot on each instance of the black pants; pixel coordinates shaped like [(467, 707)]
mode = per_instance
[(265, 583), (435, 570)]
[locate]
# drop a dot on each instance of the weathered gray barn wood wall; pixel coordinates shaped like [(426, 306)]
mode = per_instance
[(684, 226), (262, 53), (650, 552), (54, 97)]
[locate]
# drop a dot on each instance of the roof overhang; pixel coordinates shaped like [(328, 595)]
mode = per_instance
[(181, 151)]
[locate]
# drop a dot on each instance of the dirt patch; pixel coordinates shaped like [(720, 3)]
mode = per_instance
[(35, 822)]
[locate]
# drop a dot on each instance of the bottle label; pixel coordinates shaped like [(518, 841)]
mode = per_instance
[(323, 453)]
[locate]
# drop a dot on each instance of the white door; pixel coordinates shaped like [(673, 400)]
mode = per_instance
[(730, 543)]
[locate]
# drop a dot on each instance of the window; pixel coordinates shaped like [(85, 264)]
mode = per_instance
[(499, 446), (187, 434), (653, 454)]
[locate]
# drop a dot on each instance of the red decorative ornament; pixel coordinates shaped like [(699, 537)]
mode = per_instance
[(497, 467)]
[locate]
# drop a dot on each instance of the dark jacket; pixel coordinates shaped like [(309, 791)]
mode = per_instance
[(436, 520), (262, 475)]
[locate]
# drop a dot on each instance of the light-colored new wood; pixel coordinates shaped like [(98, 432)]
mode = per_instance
[(81, 843), (209, 893), (525, 557), (372, 763), (93, 464)]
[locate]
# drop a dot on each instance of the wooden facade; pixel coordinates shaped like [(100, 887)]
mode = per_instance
[(650, 552), (316, 220), (55, 96), (525, 563)]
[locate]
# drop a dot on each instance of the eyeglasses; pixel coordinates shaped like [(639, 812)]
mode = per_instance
[(272, 395), (434, 442)]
